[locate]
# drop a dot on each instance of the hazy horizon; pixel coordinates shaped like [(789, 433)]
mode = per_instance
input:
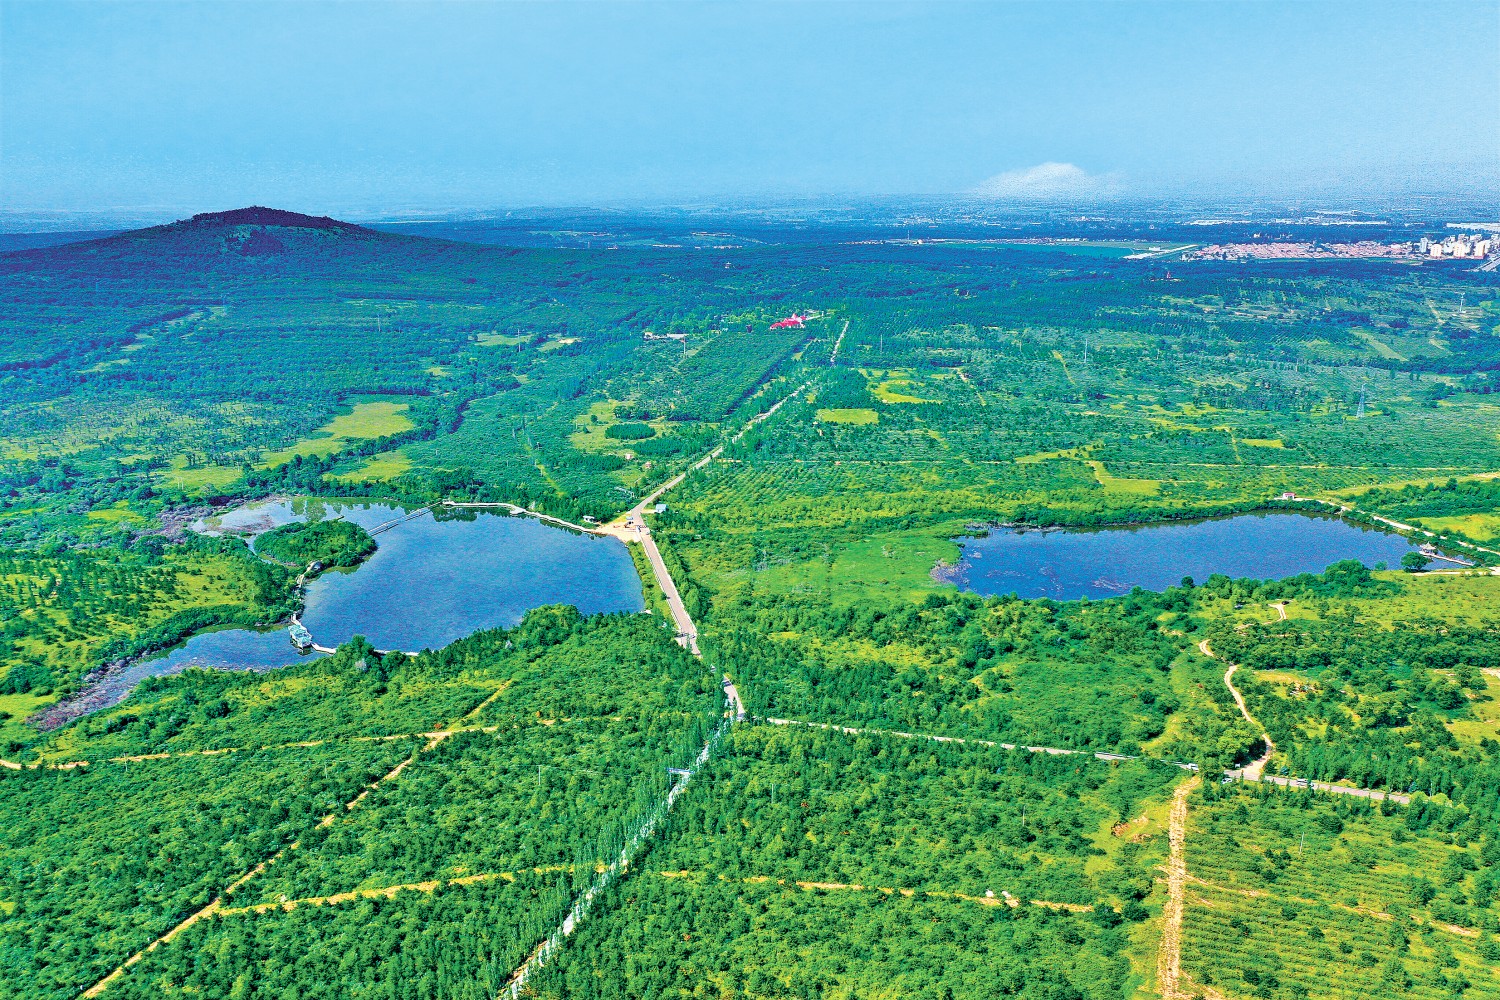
[(369, 109)]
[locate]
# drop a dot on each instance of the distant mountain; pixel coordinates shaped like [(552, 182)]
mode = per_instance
[(257, 215), (251, 232), (254, 232)]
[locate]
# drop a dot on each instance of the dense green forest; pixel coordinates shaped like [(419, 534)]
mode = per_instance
[(332, 543), (395, 825)]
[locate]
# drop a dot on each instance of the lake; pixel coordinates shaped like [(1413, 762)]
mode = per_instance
[(437, 579), (1106, 562), (433, 579)]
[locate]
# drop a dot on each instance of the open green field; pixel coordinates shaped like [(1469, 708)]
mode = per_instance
[(364, 420)]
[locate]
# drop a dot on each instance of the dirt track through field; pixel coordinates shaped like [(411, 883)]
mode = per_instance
[(1055, 751), (1169, 958), (385, 892), (432, 885), (302, 744)]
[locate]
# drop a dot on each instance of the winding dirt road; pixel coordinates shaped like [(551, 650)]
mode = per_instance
[(1056, 751), (1255, 770)]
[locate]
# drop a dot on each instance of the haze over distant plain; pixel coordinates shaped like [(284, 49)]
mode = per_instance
[(359, 108)]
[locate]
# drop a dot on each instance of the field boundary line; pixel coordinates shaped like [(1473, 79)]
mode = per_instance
[(217, 903), (1003, 899)]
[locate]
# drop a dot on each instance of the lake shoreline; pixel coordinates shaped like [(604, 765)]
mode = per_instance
[(468, 592), (1099, 562)]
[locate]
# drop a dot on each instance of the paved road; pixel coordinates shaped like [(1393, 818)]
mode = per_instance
[(1056, 751), (687, 632), (1348, 508), (1323, 786), (732, 694), (632, 527)]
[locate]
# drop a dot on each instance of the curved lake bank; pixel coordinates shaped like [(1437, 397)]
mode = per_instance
[(435, 577), (1066, 564)]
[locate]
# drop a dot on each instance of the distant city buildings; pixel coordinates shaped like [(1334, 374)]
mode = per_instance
[(1465, 246)]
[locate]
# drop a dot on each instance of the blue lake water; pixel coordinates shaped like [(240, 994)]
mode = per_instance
[(433, 579), (1107, 562), (227, 649)]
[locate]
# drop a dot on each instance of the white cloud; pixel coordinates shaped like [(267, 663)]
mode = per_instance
[(1042, 182)]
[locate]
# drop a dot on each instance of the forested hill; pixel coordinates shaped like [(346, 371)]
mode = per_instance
[(243, 232)]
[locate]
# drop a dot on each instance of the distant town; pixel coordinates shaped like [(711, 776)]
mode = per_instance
[(1464, 246)]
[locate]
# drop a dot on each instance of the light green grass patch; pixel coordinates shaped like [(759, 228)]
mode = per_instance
[(1459, 598), (1048, 456), (499, 340), (120, 511), (1377, 345), (1263, 442), (889, 563), (20, 705), (844, 415), (1484, 527), (894, 391), (1396, 484), (386, 465), (104, 366), (559, 342), (1142, 487), (178, 475), (1485, 707), (363, 421)]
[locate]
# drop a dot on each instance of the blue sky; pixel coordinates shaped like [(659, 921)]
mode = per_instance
[(370, 107)]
